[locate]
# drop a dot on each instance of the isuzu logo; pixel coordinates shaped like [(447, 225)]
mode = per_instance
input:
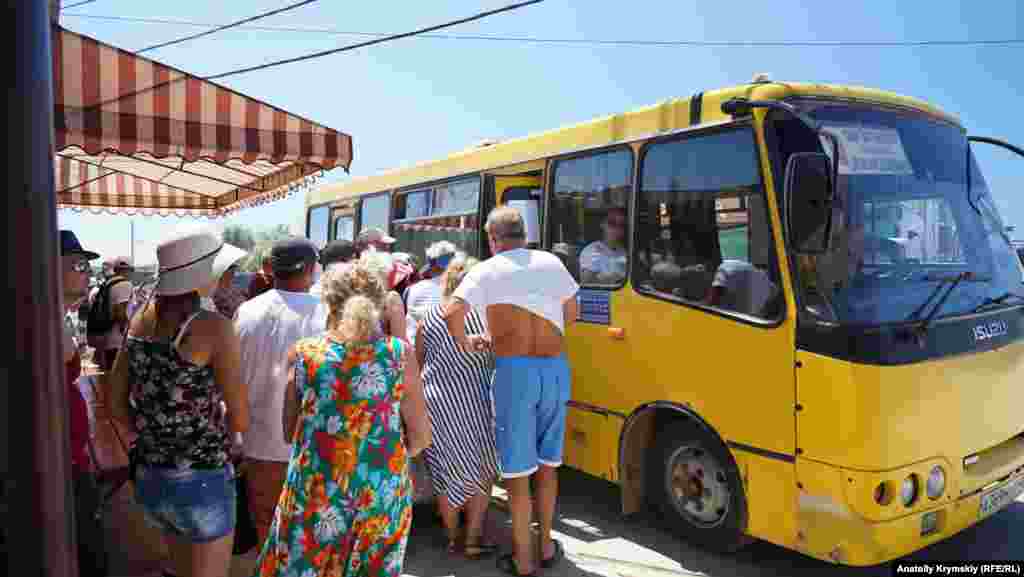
[(990, 330)]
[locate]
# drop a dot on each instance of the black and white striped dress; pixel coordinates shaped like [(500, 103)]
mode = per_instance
[(462, 458)]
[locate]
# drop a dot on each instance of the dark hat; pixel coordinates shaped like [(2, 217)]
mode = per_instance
[(291, 254), (69, 245), (338, 251)]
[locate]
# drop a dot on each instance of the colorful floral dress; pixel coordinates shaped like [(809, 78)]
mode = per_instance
[(346, 506)]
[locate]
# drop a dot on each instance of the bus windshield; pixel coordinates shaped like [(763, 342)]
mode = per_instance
[(909, 218)]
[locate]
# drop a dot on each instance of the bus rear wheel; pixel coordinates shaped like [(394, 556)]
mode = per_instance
[(695, 485)]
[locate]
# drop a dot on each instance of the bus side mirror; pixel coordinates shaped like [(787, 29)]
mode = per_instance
[(809, 194)]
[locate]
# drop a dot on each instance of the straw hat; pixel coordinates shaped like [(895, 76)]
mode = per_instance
[(186, 261)]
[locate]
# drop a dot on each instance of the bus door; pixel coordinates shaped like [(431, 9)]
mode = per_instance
[(523, 193)]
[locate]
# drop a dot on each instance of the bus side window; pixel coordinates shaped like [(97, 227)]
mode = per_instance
[(318, 225), (703, 234), (587, 224)]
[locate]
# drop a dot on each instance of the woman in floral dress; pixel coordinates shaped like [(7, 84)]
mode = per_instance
[(355, 413)]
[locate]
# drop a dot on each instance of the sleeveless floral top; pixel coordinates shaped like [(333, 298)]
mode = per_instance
[(178, 412)]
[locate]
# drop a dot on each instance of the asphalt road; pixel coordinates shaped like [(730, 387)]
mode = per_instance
[(599, 541)]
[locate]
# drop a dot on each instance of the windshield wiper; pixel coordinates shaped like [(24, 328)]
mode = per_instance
[(953, 282), (996, 301)]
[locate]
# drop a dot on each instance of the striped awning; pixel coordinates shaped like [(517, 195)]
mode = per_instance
[(136, 136)]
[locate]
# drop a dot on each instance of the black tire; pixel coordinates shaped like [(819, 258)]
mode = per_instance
[(721, 520)]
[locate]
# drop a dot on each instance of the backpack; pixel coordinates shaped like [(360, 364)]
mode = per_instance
[(100, 320)]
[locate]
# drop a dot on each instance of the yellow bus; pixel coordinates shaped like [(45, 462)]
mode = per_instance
[(801, 318)]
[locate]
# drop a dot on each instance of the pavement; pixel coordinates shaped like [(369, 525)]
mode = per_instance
[(598, 542)]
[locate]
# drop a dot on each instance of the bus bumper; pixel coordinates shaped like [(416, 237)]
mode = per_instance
[(829, 530)]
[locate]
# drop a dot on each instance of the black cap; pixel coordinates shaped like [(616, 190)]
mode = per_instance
[(338, 251), (69, 245), (291, 254)]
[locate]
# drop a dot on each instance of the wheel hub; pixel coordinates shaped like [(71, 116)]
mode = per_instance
[(698, 486)]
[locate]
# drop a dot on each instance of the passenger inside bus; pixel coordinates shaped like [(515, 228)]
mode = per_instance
[(742, 287), (603, 261)]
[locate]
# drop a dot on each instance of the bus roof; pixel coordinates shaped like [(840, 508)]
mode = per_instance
[(666, 116)]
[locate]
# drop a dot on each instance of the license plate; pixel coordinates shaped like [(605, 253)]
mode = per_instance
[(1001, 496)]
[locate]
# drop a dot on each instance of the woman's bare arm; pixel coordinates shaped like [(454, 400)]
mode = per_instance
[(226, 361), (290, 413), (421, 351), (396, 315), (118, 389), (414, 409)]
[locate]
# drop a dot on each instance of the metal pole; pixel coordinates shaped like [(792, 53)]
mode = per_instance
[(38, 501)]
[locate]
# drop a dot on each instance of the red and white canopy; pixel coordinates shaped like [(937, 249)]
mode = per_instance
[(136, 136)]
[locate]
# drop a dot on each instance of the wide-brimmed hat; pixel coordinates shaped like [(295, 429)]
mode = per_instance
[(186, 261), (229, 255)]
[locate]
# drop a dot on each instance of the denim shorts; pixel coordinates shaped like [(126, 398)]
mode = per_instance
[(530, 396), (196, 505)]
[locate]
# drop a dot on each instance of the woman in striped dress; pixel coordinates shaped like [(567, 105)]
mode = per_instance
[(462, 459)]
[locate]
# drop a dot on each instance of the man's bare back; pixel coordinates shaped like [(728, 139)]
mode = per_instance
[(516, 332)]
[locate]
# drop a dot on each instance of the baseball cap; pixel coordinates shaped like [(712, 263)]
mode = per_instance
[(375, 235), (291, 254), (69, 245), (338, 251)]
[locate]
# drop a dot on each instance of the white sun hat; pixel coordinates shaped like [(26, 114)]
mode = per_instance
[(229, 254), (186, 260)]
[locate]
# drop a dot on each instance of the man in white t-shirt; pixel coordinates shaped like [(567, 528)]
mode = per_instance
[(427, 292), (268, 326), (741, 287), (604, 261), (529, 298)]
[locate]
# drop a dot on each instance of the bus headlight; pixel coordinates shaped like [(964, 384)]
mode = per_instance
[(908, 491), (936, 485)]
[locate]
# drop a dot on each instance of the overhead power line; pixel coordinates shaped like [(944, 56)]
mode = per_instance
[(389, 38), (76, 4), (323, 53), (586, 41), (226, 26)]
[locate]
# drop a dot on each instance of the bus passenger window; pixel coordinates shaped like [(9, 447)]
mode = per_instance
[(589, 216), (702, 232), (318, 225)]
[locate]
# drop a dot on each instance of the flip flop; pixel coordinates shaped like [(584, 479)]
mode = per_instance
[(507, 564), (554, 559), (480, 550)]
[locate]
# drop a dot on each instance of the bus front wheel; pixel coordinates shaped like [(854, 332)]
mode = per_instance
[(696, 487)]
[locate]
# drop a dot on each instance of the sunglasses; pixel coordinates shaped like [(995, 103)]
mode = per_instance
[(81, 266)]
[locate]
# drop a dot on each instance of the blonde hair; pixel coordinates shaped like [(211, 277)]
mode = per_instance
[(354, 294), (379, 263), (456, 271)]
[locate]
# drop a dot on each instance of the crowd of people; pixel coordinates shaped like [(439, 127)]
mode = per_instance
[(321, 382)]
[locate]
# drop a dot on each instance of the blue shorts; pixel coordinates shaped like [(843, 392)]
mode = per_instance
[(530, 395), (196, 505)]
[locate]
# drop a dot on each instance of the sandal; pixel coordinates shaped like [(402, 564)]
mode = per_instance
[(480, 550), (507, 564), (554, 559)]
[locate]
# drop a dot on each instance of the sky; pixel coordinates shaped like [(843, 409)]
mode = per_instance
[(417, 99)]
